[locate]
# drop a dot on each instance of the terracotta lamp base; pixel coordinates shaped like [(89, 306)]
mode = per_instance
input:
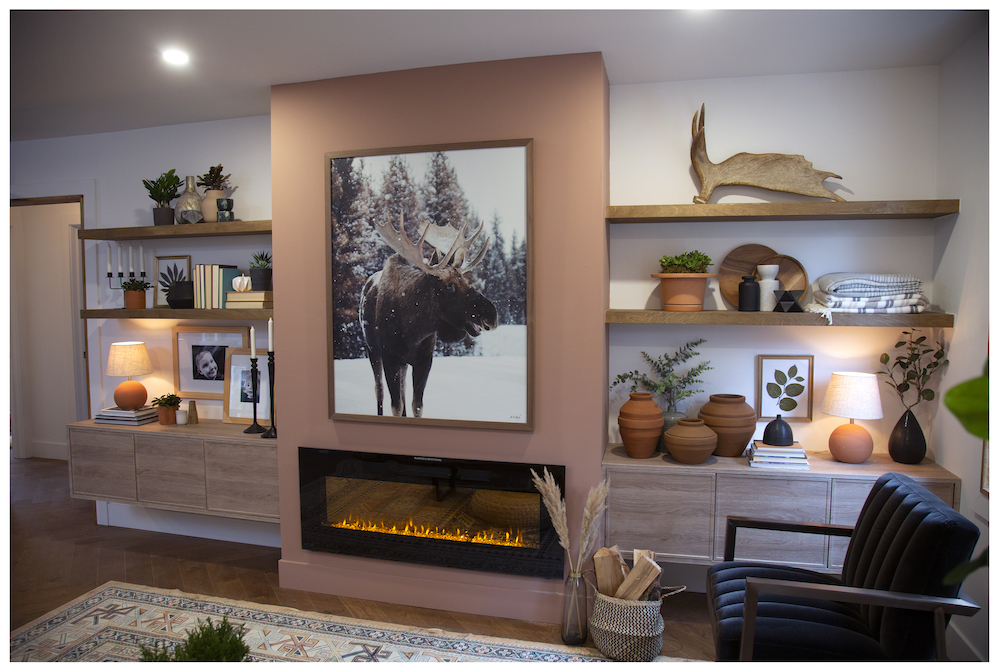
[(851, 443), (130, 395)]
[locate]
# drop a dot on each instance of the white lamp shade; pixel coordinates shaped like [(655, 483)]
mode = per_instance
[(853, 395), (128, 359)]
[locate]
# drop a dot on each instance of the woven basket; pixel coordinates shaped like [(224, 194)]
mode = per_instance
[(628, 630)]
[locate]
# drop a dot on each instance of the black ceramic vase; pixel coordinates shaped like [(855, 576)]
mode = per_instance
[(181, 294), (907, 444)]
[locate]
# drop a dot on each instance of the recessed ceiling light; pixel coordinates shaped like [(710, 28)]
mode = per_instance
[(175, 56)]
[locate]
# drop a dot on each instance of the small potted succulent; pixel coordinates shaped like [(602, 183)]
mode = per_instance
[(215, 184), (166, 408), (135, 293), (683, 281), (162, 190), (260, 271)]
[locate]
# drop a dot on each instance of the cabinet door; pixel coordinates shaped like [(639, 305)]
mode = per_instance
[(170, 471), (773, 498), (102, 465), (670, 514), (243, 478)]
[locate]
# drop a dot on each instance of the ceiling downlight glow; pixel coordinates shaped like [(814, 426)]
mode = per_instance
[(175, 56)]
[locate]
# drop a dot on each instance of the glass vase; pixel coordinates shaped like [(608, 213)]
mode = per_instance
[(574, 629)]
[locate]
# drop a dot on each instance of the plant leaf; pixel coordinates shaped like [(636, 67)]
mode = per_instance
[(792, 372), (794, 390), (780, 377), (773, 391), (969, 401), (787, 404)]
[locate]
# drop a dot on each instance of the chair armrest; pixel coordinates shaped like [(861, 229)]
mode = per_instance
[(734, 522), (882, 598)]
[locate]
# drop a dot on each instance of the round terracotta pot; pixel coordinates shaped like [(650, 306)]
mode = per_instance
[(733, 419), (135, 300), (690, 441), (683, 292), (641, 423), (166, 415)]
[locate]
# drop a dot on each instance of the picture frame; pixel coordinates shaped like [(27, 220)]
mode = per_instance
[(166, 270), (236, 405), (481, 373), (208, 345), (785, 387)]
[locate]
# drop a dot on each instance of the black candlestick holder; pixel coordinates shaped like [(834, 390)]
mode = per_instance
[(254, 428), (271, 433)]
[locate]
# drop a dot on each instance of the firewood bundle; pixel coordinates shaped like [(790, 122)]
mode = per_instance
[(615, 579)]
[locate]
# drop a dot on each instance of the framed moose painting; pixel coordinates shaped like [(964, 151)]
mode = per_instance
[(429, 314)]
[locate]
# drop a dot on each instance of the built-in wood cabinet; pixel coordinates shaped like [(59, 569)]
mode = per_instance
[(209, 468), (679, 511)]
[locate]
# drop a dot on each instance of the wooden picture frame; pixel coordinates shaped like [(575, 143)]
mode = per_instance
[(236, 405), (162, 270), (191, 343), (484, 376), (785, 387)]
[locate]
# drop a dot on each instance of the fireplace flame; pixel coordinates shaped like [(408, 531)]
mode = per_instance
[(493, 538)]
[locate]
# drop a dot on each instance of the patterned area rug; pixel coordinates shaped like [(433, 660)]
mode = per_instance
[(112, 622)]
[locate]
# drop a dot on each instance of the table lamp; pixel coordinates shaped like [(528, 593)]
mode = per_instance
[(129, 358), (855, 396)]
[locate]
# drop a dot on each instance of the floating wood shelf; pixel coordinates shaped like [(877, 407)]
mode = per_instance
[(804, 211), (178, 314), (706, 317), (203, 230)]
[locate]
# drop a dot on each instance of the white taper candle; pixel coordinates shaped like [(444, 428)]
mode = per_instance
[(119, 258), (253, 344), (270, 334), (131, 269), (142, 259), (109, 258)]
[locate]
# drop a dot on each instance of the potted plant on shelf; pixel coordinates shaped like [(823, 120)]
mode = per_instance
[(135, 293), (215, 183), (260, 271), (162, 190), (907, 444), (683, 281), (166, 410)]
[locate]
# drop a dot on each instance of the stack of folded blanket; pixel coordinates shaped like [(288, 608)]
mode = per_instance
[(867, 293)]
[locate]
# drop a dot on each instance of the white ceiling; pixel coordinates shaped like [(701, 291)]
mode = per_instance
[(82, 72)]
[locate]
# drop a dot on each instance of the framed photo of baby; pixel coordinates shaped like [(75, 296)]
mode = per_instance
[(200, 359)]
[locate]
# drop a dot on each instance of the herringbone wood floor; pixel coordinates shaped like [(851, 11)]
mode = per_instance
[(58, 552)]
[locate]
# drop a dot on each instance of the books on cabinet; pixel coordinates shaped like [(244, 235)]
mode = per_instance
[(251, 299), (764, 456), (117, 416)]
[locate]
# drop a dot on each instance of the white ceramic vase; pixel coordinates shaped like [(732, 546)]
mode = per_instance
[(768, 286)]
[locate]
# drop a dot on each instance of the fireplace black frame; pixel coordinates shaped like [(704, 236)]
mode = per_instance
[(315, 464)]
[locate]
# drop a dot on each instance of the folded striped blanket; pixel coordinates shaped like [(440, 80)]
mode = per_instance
[(864, 285), (842, 303)]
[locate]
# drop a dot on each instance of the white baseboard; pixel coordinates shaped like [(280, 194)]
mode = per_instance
[(189, 524), (49, 450)]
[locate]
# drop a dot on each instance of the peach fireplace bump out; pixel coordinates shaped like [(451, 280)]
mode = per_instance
[(561, 102)]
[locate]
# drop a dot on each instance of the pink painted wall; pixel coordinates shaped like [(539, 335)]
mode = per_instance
[(562, 103)]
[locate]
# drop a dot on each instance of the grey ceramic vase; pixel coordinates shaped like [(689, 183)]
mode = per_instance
[(187, 209)]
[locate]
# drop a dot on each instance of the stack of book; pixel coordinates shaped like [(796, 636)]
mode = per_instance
[(117, 416), (251, 299), (210, 284), (762, 455)]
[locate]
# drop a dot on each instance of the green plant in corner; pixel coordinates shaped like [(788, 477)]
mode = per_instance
[(671, 386), (786, 383), (689, 262), (163, 189), (208, 642), (261, 259), (915, 373), (214, 179), (135, 285), (167, 401)]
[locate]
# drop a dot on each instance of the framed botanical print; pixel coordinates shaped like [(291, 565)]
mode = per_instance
[(169, 270), (200, 359), (430, 306), (238, 401), (785, 387)]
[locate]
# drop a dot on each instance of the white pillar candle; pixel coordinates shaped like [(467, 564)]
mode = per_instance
[(142, 260), (119, 258), (270, 334), (253, 344), (109, 258)]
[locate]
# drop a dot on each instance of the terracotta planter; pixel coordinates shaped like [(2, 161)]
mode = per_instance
[(683, 292), (167, 415), (690, 441), (733, 419), (641, 423), (135, 300)]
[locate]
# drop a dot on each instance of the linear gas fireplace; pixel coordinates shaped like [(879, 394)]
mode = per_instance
[(468, 514)]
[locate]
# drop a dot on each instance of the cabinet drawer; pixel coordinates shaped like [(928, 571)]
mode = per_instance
[(242, 478), (102, 465), (170, 470), (670, 514), (774, 498)]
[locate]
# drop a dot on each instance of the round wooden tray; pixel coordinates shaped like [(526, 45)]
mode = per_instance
[(791, 274), (741, 261)]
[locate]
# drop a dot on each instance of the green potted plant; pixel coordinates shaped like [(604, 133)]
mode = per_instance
[(915, 367), (162, 190), (671, 386), (215, 183), (166, 410), (135, 293), (208, 642), (260, 271), (683, 281)]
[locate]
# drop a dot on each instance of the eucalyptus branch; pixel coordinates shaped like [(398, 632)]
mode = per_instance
[(914, 372), (670, 386)]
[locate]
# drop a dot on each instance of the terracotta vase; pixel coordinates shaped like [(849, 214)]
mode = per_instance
[(135, 300), (641, 423), (210, 205), (690, 441), (166, 415), (683, 292), (733, 419)]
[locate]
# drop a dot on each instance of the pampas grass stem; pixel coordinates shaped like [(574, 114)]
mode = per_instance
[(556, 506)]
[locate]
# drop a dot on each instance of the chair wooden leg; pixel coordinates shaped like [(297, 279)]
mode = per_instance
[(750, 596)]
